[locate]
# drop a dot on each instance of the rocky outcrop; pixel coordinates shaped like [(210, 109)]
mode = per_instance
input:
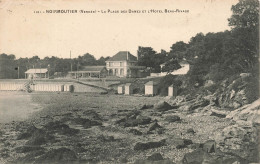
[(249, 113), (241, 138)]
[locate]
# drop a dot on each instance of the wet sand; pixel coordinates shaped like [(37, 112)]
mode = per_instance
[(16, 106)]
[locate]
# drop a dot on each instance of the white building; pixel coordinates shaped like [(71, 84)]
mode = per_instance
[(124, 64), (36, 73)]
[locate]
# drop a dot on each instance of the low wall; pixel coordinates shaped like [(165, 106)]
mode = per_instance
[(43, 87), (11, 86)]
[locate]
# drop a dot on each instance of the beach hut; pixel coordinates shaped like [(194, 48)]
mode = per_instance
[(172, 91), (128, 89), (120, 89), (151, 88)]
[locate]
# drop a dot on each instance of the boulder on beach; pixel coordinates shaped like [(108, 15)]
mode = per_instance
[(135, 132), (149, 145), (61, 155), (154, 126), (162, 106), (155, 157), (131, 122), (179, 142), (172, 118)]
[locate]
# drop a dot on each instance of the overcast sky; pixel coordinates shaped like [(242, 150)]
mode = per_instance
[(26, 34)]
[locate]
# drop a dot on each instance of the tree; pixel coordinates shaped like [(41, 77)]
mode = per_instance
[(178, 50), (87, 60), (245, 14), (146, 56), (102, 60), (8, 66), (245, 29), (171, 66)]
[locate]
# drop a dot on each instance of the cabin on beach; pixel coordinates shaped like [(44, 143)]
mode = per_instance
[(36, 73), (89, 72), (151, 88)]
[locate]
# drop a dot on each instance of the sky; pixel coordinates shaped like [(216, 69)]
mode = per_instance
[(25, 33)]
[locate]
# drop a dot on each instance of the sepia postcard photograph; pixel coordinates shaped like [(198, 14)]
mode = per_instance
[(129, 81)]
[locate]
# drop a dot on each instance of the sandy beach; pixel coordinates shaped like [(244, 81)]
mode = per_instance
[(16, 106)]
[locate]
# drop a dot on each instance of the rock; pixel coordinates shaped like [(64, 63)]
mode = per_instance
[(87, 123), (145, 161), (29, 131), (217, 115), (218, 112), (92, 115), (149, 145), (212, 99), (173, 118), (199, 156), (39, 137), (231, 137), (59, 127), (190, 130), (30, 157), (155, 157), (236, 105), (195, 157), (179, 143), (209, 146), (209, 83), (154, 126), (25, 149), (195, 146), (143, 120), (245, 75), (146, 107), (135, 132), (60, 155), (106, 138), (131, 122), (162, 106), (183, 143), (123, 160), (178, 100), (249, 112), (197, 104), (239, 141), (155, 114)]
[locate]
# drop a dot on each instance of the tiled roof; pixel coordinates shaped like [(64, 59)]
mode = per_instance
[(92, 68), (122, 56), (128, 84), (151, 83), (42, 70)]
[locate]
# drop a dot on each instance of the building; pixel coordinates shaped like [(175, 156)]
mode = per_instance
[(128, 89), (124, 64), (36, 73), (172, 91), (89, 72), (151, 88), (121, 89), (185, 67)]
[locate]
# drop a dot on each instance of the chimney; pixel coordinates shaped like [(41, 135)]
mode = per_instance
[(127, 56)]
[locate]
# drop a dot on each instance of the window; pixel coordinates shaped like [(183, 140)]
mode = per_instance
[(121, 71), (121, 64)]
